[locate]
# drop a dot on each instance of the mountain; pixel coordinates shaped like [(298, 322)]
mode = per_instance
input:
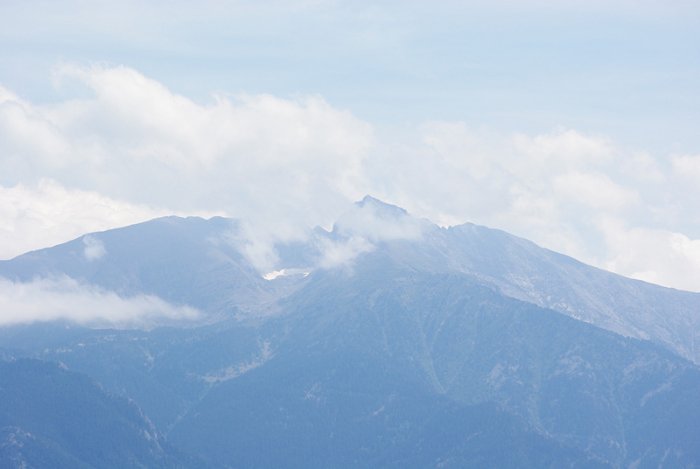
[(402, 344), (181, 260), (372, 366), (197, 262), (50, 417), (520, 269)]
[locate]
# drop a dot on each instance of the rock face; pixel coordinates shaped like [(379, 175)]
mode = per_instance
[(427, 347)]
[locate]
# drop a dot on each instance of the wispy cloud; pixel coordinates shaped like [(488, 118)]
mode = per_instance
[(362, 227), (65, 299), (94, 248), (342, 253)]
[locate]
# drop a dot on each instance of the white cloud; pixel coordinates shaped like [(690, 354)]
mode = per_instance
[(687, 167), (54, 299), (654, 255), (126, 143), (341, 253), (594, 190), (562, 149), (94, 249), (362, 227), (43, 214), (376, 222), (264, 159)]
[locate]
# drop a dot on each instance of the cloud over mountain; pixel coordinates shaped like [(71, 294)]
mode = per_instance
[(65, 299), (118, 147)]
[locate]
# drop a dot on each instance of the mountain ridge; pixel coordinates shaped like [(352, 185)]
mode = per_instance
[(216, 276)]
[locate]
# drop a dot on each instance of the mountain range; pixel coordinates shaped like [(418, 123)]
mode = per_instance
[(387, 341)]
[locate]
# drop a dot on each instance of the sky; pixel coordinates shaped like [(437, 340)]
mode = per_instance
[(570, 123)]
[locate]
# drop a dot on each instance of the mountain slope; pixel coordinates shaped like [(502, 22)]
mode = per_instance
[(629, 307), (473, 345), (50, 417), (370, 369), (520, 269), (188, 261)]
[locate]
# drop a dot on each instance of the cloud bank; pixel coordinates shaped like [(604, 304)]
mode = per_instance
[(41, 214), (65, 299), (134, 140), (118, 147)]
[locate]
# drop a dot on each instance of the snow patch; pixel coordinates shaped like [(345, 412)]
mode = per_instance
[(285, 273)]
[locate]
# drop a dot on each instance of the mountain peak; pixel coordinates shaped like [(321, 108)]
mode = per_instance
[(381, 207)]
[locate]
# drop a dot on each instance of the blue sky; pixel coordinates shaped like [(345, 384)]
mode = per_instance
[(571, 123), (625, 69)]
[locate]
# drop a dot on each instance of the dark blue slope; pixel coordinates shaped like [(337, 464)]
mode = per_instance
[(50, 417)]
